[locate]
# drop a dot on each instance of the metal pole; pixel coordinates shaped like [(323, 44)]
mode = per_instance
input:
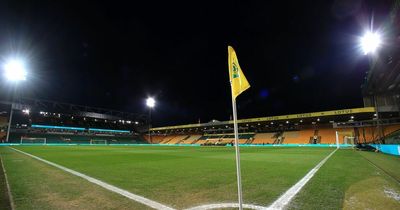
[(238, 174), (150, 125), (9, 122), (378, 127), (337, 140)]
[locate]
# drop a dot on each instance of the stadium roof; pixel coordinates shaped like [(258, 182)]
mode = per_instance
[(340, 112), (80, 110)]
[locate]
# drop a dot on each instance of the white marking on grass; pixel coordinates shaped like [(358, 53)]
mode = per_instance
[(281, 202), (225, 205), (284, 200), (137, 198), (392, 194), (7, 185)]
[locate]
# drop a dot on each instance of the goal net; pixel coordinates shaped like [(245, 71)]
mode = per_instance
[(343, 137), (27, 140), (95, 141)]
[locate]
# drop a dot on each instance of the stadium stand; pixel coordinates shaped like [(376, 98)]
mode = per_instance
[(387, 130), (68, 126), (226, 141), (177, 139), (201, 140), (76, 138), (368, 134), (264, 138), (328, 135), (393, 138), (306, 134), (167, 139), (155, 139), (191, 139), (298, 137)]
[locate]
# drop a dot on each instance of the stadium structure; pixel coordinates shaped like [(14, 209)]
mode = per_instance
[(60, 123), (378, 122), (57, 155), (36, 121)]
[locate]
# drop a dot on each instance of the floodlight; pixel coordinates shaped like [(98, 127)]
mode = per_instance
[(26, 111), (370, 42), (150, 102), (15, 70)]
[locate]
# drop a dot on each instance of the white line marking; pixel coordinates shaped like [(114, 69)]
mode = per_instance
[(8, 185), (226, 205), (137, 198), (282, 201)]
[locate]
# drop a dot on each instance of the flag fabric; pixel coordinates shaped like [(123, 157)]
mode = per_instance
[(238, 81)]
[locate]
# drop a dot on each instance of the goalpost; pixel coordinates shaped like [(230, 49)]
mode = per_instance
[(347, 139), (98, 141), (28, 140)]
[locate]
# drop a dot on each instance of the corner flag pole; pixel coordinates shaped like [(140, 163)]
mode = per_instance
[(238, 174), (239, 84)]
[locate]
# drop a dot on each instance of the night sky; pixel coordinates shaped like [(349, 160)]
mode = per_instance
[(299, 56)]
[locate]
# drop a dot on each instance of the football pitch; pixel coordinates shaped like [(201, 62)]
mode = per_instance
[(187, 177)]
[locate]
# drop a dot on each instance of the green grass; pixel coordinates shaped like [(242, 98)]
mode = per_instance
[(4, 196), (348, 181), (388, 163), (184, 177), (36, 185)]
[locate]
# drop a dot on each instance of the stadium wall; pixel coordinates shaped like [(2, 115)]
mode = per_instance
[(392, 149)]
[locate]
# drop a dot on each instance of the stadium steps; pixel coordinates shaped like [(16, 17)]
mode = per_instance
[(201, 140), (191, 139), (182, 140), (393, 137), (279, 138), (177, 139), (154, 138), (167, 139)]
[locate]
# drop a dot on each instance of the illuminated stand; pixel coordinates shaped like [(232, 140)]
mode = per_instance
[(26, 140), (97, 141)]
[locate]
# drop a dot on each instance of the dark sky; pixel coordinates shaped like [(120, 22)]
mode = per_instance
[(299, 56)]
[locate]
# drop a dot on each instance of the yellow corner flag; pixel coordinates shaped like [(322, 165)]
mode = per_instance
[(238, 81)]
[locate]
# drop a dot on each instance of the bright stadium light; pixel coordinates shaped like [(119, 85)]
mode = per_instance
[(150, 102), (14, 70), (26, 111), (370, 42)]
